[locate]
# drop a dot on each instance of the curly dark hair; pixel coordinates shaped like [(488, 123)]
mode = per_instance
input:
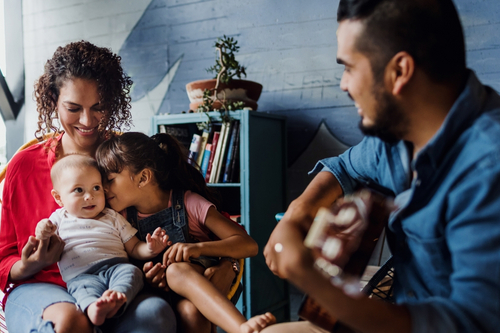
[(84, 60)]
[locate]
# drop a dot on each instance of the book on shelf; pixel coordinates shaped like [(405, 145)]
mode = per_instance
[(218, 151), (193, 149), (226, 178), (201, 151), (214, 143), (206, 159), (219, 167), (235, 166), (182, 132)]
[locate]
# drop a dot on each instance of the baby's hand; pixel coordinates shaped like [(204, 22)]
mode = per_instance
[(45, 229), (158, 241)]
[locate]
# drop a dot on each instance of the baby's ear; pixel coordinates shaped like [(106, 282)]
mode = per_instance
[(57, 197)]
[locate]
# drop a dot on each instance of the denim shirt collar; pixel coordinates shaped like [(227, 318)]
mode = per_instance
[(467, 107)]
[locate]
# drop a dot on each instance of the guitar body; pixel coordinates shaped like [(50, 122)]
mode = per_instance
[(311, 311), (343, 240)]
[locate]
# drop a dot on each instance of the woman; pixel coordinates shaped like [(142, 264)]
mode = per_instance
[(86, 90)]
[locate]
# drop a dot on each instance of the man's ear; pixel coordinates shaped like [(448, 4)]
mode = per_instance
[(57, 197), (399, 72), (145, 177)]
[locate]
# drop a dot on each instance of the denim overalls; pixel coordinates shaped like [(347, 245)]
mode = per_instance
[(175, 223)]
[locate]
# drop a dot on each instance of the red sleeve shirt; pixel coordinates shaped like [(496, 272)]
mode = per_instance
[(26, 200)]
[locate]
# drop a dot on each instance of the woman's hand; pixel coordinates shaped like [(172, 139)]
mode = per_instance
[(155, 275), (181, 252), (36, 255)]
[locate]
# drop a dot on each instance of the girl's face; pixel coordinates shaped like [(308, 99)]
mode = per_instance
[(79, 113), (122, 189)]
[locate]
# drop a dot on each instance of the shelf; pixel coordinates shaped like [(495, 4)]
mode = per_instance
[(257, 197), (224, 184)]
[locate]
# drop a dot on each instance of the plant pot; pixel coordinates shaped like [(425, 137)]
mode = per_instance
[(245, 91)]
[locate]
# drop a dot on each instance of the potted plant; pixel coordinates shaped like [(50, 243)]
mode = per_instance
[(224, 92)]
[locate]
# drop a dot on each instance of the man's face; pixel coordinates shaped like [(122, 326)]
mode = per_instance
[(380, 113)]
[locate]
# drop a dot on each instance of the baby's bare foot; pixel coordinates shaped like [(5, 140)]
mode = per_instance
[(258, 323), (105, 306)]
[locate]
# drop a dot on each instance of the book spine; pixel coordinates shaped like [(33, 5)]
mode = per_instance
[(215, 141), (206, 159), (201, 151), (235, 163), (223, 152), (181, 132), (215, 164), (230, 152), (193, 149)]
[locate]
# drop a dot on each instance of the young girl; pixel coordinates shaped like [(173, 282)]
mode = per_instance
[(153, 178)]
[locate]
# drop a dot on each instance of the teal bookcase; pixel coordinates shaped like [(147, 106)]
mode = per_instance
[(260, 194)]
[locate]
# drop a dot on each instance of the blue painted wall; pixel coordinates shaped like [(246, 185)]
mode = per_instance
[(288, 46)]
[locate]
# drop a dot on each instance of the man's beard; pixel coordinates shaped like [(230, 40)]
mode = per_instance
[(391, 122)]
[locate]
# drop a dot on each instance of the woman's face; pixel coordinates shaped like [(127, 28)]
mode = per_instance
[(79, 114), (122, 189)]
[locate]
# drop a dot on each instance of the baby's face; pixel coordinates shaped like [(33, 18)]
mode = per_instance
[(81, 192)]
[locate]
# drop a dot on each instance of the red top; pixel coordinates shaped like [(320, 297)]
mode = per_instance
[(26, 200)]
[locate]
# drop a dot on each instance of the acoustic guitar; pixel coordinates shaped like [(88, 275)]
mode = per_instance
[(343, 239)]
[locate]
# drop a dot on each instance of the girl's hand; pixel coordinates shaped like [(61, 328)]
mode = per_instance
[(157, 242), (45, 229), (155, 275), (181, 252)]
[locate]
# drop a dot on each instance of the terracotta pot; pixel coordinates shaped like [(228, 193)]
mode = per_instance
[(245, 91)]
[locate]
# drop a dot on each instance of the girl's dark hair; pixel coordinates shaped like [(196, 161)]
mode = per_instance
[(84, 60), (161, 153)]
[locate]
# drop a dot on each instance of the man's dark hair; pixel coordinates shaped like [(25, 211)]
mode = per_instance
[(429, 30)]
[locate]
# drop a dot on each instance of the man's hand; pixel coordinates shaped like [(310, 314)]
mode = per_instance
[(286, 255), (155, 275), (157, 242), (181, 252), (45, 229), (285, 252)]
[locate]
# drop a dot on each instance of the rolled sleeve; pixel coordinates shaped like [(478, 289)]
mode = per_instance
[(334, 166), (371, 163)]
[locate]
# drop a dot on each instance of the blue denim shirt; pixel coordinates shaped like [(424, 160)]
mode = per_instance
[(445, 236)]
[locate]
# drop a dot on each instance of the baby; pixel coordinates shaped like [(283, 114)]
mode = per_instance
[(94, 263)]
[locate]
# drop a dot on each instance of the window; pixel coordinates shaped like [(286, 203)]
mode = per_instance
[(3, 130)]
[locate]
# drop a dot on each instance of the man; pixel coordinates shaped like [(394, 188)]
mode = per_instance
[(433, 140)]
